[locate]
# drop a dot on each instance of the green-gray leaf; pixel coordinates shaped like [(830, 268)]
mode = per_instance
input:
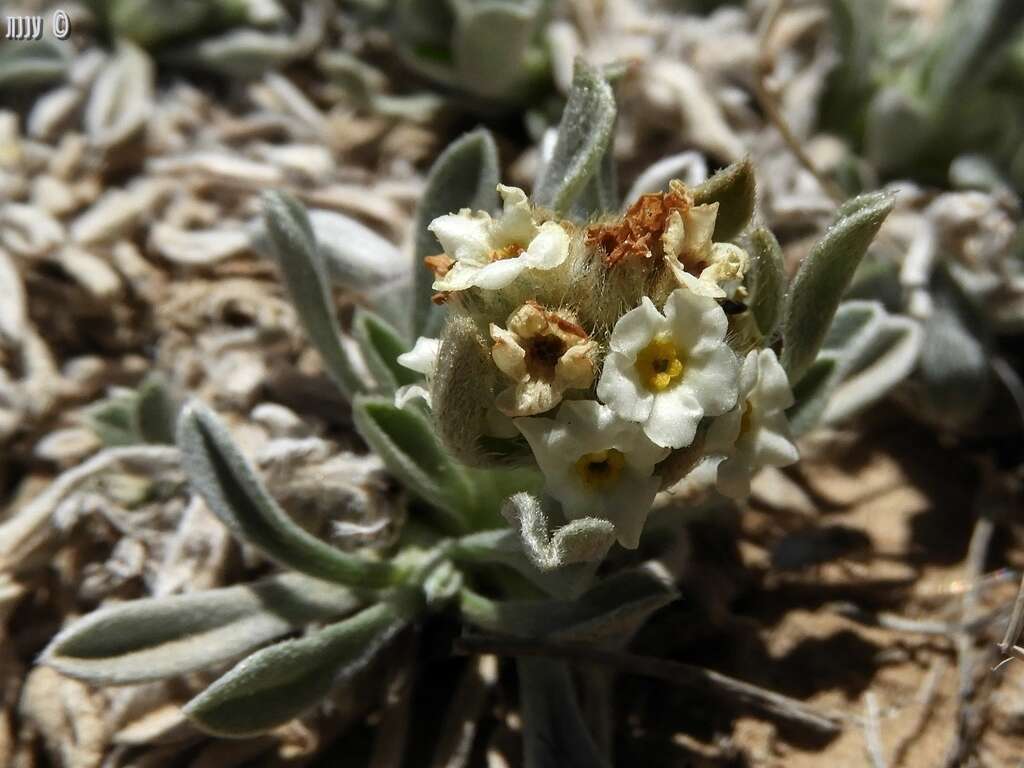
[(583, 540), (157, 411), (613, 609), (811, 395), (31, 64), (584, 135), (735, 191), (406, 442), (381, 345), (305, 275), (228, 484), (464, 176), (279, 683), (490, 44), (554, 732), (819, 284), (769, 281), (156, 638)]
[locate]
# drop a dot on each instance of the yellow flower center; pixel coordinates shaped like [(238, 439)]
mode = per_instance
[(600, 469), (659, 363), (510, 251)]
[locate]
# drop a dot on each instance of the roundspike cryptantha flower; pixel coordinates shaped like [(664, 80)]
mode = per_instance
[(755, 433), (422, 358), (544, 353), (669, 371), (490, 253), (707, 268), (596, 465)]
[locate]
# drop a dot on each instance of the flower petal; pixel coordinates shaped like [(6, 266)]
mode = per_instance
[(422, 358), (548, 249), (635, 329), (575, 369), (621, 390), (515, 225), (773, 390), (700, 226), (674, 418), (465, 236), (507, 353), (694, 319), (723, 432), (772, 446), (734, 477), (499, 274), (712, 378), (627, 508)]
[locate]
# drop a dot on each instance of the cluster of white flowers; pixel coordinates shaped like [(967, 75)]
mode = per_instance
[(602, 405)]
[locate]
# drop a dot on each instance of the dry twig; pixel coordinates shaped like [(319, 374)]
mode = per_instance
[(677, 673)]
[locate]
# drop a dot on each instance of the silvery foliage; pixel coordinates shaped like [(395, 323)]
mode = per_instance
[(912, 99), (491, 49), (942, 106), (341, 608)]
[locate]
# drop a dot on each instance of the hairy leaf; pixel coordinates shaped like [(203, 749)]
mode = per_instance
[(769, 281), (157, 411), (305, 275), (735, 191), (584, 135), (811, 395), (490, 43), (155, 638), (613, 609), (381, 345), (819, 284), (408, 445), (578, 541), (554, 733), (281, 682), (228, 484)]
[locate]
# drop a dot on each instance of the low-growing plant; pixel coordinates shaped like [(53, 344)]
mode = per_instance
[(588, 354)]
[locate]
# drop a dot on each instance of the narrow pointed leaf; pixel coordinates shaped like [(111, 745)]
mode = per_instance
[(228, 484), (584, 135), (285, 680), (811, 395), (381, 345), (464, 176), (554, 732), (735, 191), (305, 275), (769, 281), (408, 445), (156, 638), (818, 287), (612, 609)]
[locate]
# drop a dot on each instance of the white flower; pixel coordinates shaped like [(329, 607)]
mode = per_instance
[(706, 268), (755, 433), (543, 353), (422, 358), (596, 465), (669, 371), (491, 253)]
